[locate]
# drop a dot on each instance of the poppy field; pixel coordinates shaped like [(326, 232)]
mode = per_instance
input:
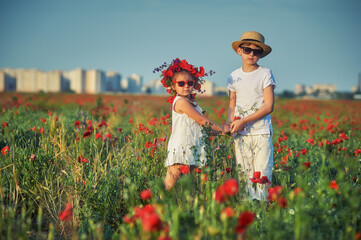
[(92, 167)]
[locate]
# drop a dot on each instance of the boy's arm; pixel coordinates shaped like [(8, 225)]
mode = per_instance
[(267, 108), (231, 107)]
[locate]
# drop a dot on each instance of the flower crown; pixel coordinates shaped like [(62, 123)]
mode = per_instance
[(177, 66)]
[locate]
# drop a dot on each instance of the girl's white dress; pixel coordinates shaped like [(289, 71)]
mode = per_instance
[(185, 145)]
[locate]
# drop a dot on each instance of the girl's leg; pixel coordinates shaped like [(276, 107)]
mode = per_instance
[(173, 173)]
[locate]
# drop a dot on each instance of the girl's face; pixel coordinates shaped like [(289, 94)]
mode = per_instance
[(181, 82)]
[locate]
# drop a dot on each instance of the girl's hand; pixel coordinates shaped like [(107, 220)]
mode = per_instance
[(237, 126), (225, 129)]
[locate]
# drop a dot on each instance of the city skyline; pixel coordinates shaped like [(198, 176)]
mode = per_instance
[(310, 40), (92, 81)]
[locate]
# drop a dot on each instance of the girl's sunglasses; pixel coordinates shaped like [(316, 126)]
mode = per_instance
[(256, 52), (190, 83)]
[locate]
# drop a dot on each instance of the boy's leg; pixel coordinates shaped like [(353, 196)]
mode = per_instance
[(245, 158), (263, 162), (173, 173)]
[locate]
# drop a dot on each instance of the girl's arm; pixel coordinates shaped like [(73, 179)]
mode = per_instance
[(266, 109), (183, 106)]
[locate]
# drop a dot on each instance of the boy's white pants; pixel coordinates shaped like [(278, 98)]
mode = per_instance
[(254, 153)]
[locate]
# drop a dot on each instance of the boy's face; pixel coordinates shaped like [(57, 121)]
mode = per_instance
[(250, 58)]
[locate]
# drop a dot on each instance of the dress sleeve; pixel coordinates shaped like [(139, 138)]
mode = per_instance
[(269, 80)]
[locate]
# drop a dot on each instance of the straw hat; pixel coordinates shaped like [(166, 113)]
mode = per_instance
[(255, 38)]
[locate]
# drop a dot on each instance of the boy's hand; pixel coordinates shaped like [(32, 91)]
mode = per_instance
[(237, 126)]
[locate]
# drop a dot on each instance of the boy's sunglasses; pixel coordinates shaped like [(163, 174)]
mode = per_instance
[(182, 83), (256, 52)]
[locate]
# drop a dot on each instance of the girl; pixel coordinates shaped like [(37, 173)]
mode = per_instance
[(185, 146)]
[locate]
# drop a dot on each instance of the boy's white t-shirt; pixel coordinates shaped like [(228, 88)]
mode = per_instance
[(249, 97)]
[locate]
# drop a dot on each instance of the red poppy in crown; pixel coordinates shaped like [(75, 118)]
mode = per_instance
[(177, 66)]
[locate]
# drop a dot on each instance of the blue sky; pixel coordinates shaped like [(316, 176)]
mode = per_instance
[(313, 41)]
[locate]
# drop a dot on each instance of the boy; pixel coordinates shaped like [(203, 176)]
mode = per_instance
[(251, 100)]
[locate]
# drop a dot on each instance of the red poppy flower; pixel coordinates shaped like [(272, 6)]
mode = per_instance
[(264, 180), (333, 185), (170, 99), (231, 187), (343, 136), (184, 169), (167, 73), (220, 195), (98, 135), (197, 170), (87, 133), (5, 124), (282, 202), (164, 238), (201, 72), (150, 219), (67, 213), (311, 141), (228, 212), (5, 150), (357, 152), (146, 194), (152, 222), (148, 144), (102, 123), (256, 177), (306, 165), (108, 135), (153, 121), (274, 193), (244, 220), (204, 178), (141, 212), (303, 152), (82, 159), (128, 219), (77, 124), (297, 190)]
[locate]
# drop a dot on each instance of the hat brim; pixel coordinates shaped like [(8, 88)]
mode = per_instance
[(266, 49)]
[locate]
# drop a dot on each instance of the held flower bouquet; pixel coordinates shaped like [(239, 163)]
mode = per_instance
[(178, 65)]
